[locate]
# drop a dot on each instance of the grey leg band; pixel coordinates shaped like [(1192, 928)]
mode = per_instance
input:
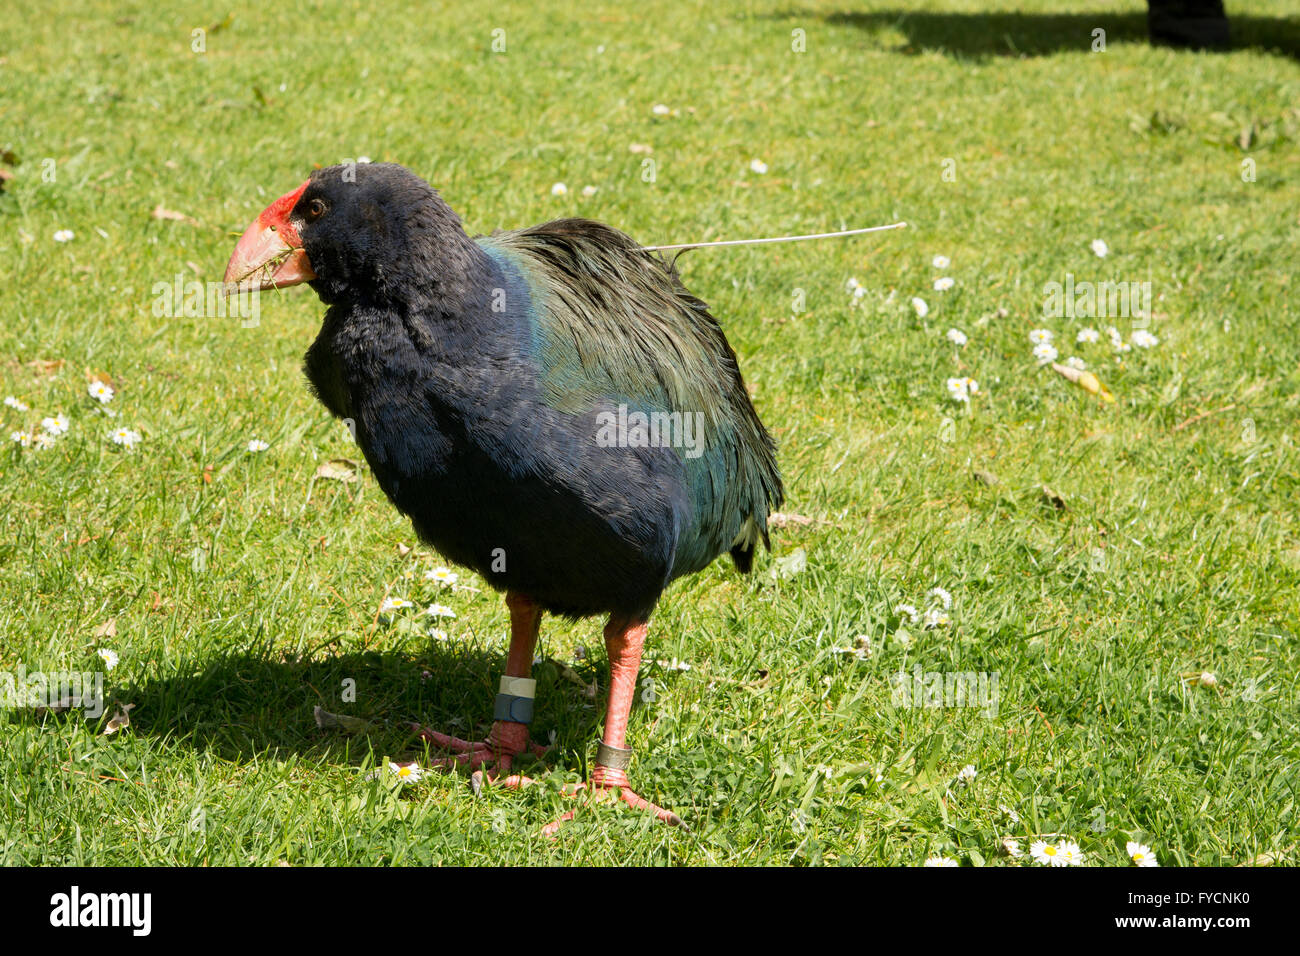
[(613, 758), (514, 700), (516, 709)]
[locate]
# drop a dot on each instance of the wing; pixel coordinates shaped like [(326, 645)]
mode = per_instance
[(614, 326)]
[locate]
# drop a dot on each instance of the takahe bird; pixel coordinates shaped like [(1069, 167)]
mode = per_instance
[(511, 394)]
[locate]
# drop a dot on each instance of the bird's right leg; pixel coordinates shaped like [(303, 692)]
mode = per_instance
[(509, 735)]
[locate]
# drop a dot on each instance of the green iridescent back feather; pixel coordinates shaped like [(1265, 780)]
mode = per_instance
[(613, 322)]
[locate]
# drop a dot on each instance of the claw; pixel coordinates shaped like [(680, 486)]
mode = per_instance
[(506, 741), (616, 791)]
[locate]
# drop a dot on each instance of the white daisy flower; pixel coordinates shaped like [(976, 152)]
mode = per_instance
[(849, 286), (1087, 335), (43, 440), (101, 391), (939, 861), (438, 634), (442, 575), (24, 438), (391, 604), (257, 445), (126, 437), (406, 772), (957, 337), (758, 166), (1045, 352), (1069, 853), (1140, 854), (961, 389), (941, 262), (674, 665), (942, 596), (1041, 336), (108, 657), (909, 612), (1207, 679), (559, 189), (56, 424), (943, 284), (64, 235), (1011, 814), (439, 610), (922, 310), (15, 404), (1045, 853), (1075, 362), (935, 618), (1012, 846), (968, 772), (1144, 339), (660, 110), (1099, 247), (590, 191)]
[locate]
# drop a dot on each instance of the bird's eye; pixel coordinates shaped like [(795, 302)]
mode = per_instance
[(317, 208)]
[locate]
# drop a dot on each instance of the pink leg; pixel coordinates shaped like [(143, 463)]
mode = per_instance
[(507, 738), (624, 640)]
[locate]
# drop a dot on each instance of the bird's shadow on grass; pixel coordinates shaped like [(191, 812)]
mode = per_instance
[(259, 704), (984, 35)]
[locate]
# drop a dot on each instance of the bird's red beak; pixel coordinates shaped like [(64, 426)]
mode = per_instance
[(269, 255)]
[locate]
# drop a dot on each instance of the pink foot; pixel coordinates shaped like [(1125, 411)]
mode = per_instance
[(506, 741), (609, 784)]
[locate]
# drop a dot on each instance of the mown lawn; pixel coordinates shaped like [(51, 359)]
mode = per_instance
[(244, 591)]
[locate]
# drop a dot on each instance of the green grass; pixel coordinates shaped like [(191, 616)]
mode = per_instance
[(242, 601)]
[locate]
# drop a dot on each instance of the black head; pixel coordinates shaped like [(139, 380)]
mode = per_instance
[(360, 232)]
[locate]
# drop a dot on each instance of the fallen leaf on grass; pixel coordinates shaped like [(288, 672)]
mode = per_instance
[(338, 469), (162, 212), (1085, 380), (1053, 498), (45, 367), (327, 721), (791, 564), (778, 519), (107, 629), (120, 720), (569, 674)]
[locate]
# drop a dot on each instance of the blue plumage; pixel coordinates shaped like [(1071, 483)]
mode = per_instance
[(549, 406)]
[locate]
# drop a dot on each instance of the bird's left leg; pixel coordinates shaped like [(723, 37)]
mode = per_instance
[(624, 641), (509, 735)]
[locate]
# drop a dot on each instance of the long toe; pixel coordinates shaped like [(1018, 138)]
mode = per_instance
[(615, 791)]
